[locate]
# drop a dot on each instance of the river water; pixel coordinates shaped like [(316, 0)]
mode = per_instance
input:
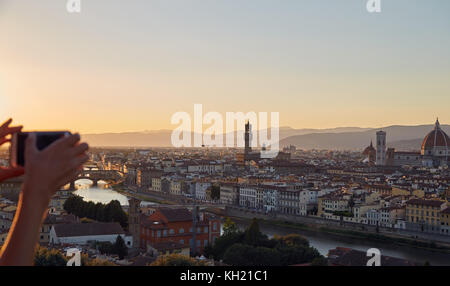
[(100, 194), (323, 242)]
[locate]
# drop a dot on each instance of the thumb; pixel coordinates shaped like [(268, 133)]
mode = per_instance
[(30, 144)]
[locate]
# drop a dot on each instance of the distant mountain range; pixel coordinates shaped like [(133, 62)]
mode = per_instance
[(405, 138)]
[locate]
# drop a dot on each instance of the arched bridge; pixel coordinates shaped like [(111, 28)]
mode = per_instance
[(109, 176)]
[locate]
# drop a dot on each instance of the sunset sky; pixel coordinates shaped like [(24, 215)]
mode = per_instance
[(129, 65)]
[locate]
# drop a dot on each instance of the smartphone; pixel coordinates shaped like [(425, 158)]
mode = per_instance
[(43, 139)]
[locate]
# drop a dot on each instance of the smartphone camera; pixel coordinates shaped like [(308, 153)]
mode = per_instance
[(43, 140)]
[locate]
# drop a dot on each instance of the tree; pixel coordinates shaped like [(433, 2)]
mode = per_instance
[(111, 212), (215, 192), (86, 261), (319, 261), (176, 260), (229, 227), (120, 248), (49, 257), (293, 240), (252, 233)]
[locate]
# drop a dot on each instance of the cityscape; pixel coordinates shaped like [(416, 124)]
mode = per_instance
[(227, 135), (175, 201)]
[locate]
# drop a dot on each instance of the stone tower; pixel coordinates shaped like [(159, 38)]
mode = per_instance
[(381, 148), (134, 215), (248, 138)]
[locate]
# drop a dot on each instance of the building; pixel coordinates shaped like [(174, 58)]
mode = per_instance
[(424, 215), (435, 151), (166, 248), (247, 197), (134, 216), (229, 194), (248, 154), (445, 221), (436, 147), (84, 233), (370, 153), (381, 148), (176, 225)]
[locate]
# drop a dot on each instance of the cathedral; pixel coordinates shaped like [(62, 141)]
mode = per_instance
[(435, 151)]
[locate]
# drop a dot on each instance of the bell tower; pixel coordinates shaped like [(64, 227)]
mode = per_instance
[(134, 219), (381, 148)]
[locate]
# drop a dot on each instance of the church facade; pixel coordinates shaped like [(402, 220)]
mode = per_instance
[(435, 151)]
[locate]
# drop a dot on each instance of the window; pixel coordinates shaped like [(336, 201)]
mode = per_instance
[(181, 241), (215, 226), (165, 233), (171, 231), (181, 230), (158, 234)]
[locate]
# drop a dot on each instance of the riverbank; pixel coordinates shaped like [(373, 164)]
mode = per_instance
[(353, 234), (146, 198)]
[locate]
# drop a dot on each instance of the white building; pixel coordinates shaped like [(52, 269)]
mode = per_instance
[(247, 197), (83, 233)]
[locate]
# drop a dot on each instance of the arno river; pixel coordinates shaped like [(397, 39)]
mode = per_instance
[(321, 241)]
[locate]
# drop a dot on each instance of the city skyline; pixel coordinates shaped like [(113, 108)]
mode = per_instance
[(119, 68)]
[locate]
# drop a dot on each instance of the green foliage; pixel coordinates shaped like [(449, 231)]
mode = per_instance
[(119, 247), (215, 192), (86, 220), (253, 235), (252, 248), (229, 227), (293, 240), (54, 257), (222, 244), (49, 257), (111, 212), (176, 260), (319, 261)]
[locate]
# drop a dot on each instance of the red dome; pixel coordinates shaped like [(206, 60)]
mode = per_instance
[(436, 138), (369, 150)]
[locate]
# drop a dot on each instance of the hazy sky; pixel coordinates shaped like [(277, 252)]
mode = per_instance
[(129, 65)]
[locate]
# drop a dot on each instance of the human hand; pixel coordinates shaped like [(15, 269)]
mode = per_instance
[(6, 130), (48, 170)]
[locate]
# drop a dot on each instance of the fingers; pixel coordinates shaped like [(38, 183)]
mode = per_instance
[(15, 129), (8, 173), (73, 169), (79, 161), (6, 123), (6, 130), (4, 140), (68, 177), (70, 140), (30, 145), (80, 149)]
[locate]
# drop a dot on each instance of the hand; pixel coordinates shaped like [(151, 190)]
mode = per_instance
[(6, 130), (48, 170)]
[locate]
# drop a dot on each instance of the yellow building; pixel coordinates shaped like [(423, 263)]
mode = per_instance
[(424, 215), (445, 221)]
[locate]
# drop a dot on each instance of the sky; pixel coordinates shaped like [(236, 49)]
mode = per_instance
[(130, 65)]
